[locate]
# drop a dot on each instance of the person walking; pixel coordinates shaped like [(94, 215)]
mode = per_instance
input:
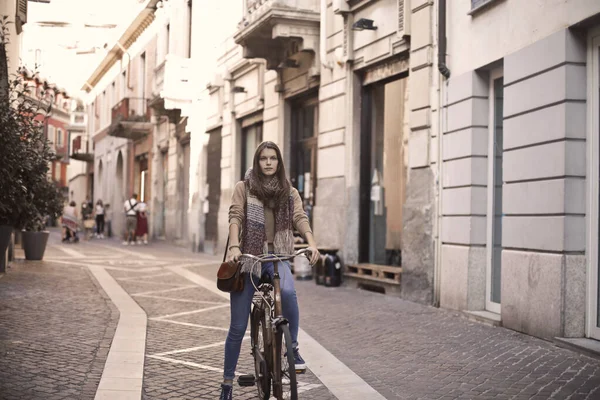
[(70, 223), (142, 223), (265, 209), (99, 211), (130, 207)]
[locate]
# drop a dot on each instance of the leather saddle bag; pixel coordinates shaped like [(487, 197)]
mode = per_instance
[(230, 277)]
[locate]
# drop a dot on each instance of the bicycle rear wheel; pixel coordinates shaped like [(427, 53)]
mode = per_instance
[(286, 386), (260, 352)]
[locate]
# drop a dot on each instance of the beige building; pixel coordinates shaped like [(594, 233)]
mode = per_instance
[(120, 117), (171, 101), (329, 82), (520, 172)]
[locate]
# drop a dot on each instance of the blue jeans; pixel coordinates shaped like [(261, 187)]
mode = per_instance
[(241, 303)]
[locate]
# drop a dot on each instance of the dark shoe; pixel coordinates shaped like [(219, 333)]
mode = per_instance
[(226, 392), (299, 361)]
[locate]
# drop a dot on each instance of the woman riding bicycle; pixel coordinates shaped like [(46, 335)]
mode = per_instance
[(265, 209)]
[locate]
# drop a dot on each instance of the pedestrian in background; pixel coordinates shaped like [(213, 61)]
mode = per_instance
[(130, 207), (99, 211), (70, 223), (142, 223)]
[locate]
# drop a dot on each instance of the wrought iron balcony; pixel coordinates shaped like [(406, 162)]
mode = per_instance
[(275, 29), (80, 149), (131, 119)]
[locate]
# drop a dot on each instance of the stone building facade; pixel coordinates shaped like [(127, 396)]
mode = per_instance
[(334, 94), (520, 165)]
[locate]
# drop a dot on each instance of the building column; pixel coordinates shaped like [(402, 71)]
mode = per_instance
[(543, 229), (418, 213), (464, 192)]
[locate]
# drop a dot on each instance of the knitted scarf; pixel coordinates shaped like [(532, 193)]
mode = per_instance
[(254, 233)]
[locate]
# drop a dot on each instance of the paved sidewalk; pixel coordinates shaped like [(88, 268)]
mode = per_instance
[(401, 349), (56, 327)]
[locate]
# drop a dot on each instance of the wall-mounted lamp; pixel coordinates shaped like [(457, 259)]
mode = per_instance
[(238, 89), (364, 24)]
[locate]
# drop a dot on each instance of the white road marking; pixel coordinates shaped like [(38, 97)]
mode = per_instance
[(191, 349), (149, 269), (180, 314), (144, 276), (131, 328), (216, 328), (164, 291), (69, 251), (189, 364), (137, 254), (337, 377), (182, 300)]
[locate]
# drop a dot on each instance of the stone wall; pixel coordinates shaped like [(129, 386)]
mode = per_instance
[(543, 261)]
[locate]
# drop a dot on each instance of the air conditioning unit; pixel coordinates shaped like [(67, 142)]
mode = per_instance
[(340, 7)]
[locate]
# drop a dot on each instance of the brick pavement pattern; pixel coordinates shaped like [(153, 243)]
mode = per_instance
[(56, 326), (409, 351), (185, 373)]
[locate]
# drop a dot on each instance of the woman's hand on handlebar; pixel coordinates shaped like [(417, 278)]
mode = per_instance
[(314, 255), (234, 254)]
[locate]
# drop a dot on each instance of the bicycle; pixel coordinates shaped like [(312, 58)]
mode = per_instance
[(270, 336)]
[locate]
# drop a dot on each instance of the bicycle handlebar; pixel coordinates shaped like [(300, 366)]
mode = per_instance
[(278, 257)]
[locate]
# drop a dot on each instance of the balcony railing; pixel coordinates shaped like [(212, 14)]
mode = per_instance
[(131, 119), (131, 109), (275, 29), (80, 149)]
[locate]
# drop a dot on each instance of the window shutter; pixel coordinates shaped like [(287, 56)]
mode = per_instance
[(404, 13), (21, 16)]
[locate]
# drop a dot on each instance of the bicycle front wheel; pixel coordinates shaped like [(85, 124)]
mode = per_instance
[(260, 352), (285, 385)]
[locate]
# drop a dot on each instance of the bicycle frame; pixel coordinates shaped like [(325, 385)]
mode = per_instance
[(271, 308)]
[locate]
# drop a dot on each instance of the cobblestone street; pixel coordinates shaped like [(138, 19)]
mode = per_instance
[(57, 324)]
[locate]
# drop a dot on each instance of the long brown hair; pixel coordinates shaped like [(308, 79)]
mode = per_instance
[(257, 176)]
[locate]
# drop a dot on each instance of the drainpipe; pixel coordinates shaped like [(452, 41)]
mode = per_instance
[(323, 36), (442, 67), (445, 72)]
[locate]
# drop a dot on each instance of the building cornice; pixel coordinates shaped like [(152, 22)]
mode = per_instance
[(132, 33)]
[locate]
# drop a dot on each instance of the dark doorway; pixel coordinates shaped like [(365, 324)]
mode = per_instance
[(252, 136), (213, 179), (303, 166), (383, 175)]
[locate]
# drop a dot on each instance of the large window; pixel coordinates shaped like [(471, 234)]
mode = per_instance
[(59, 138), (251, 137), (303, 166), (51, 135), (495, 178)]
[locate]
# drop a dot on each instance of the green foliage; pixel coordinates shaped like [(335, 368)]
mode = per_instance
[(27, 197)]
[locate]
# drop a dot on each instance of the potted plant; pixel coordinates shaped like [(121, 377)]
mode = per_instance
[(12, 150), (27, 197), (46, 204)]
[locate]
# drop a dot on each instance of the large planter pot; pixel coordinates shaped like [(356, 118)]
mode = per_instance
[(5, 232), (34, 244)]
